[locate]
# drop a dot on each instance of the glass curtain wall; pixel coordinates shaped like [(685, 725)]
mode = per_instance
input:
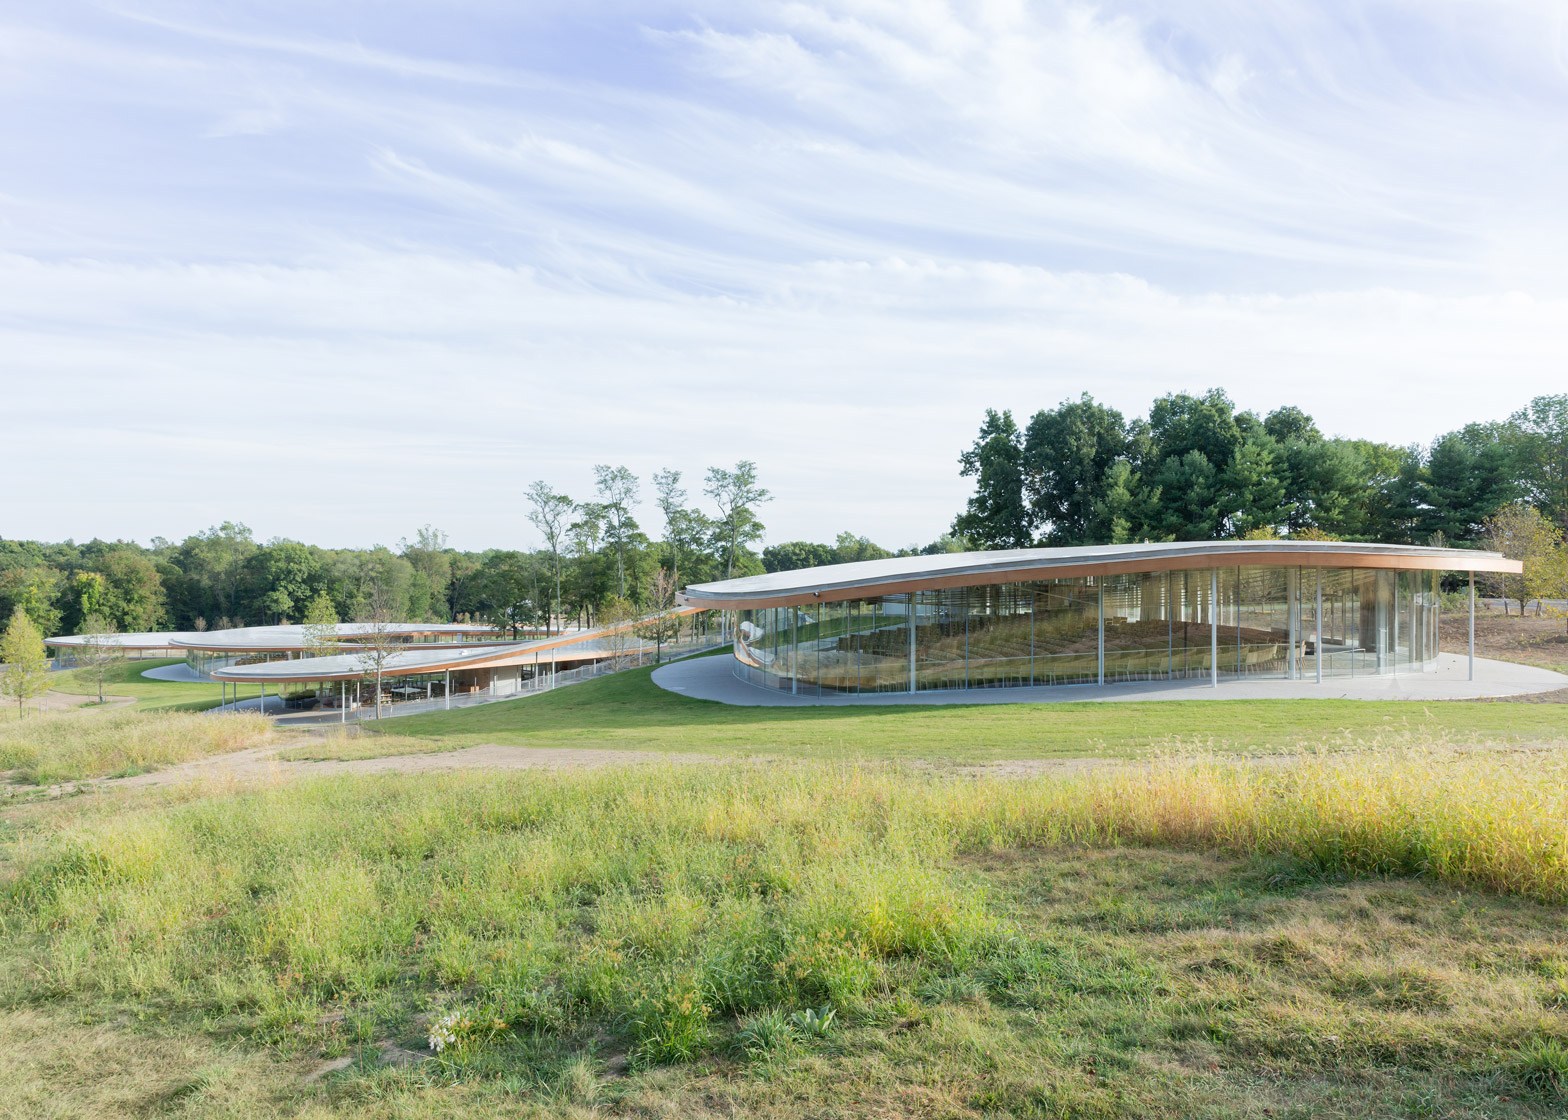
[(1228, 623)]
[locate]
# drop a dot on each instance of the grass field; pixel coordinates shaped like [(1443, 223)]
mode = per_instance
[(125, 679), (67, 746), (1375, 925), (1346, 935), (627, 711)]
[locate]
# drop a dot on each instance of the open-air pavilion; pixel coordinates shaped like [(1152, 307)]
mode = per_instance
[(1203, 612), (437, 677)]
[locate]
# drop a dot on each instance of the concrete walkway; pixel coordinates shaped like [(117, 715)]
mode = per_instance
[(275, 706), (713, 678), (181, 672)]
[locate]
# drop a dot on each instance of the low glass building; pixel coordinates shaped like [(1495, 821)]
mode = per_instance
[(1209, 611)]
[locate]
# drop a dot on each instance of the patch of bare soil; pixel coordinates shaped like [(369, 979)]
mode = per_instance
[(65, 701), (1531, 640)]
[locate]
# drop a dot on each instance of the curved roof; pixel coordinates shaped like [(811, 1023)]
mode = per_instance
[(158, 639), (836, 582), (348, 666), (261, 639), (275, 639), (573, 645)]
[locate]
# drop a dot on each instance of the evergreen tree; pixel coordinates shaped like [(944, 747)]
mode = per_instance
[(1254, 485), (1464, 484)]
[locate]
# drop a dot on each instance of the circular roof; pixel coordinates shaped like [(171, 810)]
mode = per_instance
[(899, 574)]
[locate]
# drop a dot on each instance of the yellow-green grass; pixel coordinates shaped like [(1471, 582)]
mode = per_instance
[(1357, 934), (125, 679), (627, 711), (63, 746)]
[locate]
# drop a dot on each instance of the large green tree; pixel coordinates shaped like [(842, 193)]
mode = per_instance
[(1465, 482), (1069, 453), (998, 514), (1542, 454)]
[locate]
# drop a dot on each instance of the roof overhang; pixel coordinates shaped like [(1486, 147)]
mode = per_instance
[(899, 575), (577, 645)]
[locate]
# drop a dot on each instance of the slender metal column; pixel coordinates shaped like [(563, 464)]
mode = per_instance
[(1292, 616), (794, 651), (910, 618), (1099, 582), (1214, 627), (1472, 626), (1317, 656), (449, 690), (343, 703), (1395, 658)]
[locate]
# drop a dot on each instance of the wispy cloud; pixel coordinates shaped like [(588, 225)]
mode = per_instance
[(824, 235)]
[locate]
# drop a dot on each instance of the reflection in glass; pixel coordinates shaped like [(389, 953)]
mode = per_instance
[(1248, 622)]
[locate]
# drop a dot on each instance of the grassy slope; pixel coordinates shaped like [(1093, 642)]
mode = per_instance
[(66, 746), (126, 679), (988, 948), (628, 711)]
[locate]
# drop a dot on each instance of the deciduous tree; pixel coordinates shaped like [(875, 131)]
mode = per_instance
[(100, 651), (997, 515), (660, 624), (26, 663), (1521, 532), (737, 495), (1068, 456), (618, 490), (321, 626), (378, 639), (549, 514)]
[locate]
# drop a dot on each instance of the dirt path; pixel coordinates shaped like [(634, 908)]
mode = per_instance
[(65, 701), (260, 764)]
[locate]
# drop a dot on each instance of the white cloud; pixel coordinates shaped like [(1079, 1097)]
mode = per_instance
[(281, 250)]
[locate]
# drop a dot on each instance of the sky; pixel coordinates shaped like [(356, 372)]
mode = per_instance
[(339, 271)]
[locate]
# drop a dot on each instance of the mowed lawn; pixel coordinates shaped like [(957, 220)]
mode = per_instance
[(125, 679), (628, 711)]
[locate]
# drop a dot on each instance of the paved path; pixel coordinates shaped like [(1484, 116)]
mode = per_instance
[(713, 678), (180, 672)]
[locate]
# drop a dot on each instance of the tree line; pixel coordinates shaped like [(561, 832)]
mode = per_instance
[(596, 557), (1196, 468)]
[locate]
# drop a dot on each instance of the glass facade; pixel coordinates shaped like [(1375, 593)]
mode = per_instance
[(1212, 623)]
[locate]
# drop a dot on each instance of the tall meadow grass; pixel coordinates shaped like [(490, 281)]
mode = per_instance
[(62, 746), (660, 903)]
